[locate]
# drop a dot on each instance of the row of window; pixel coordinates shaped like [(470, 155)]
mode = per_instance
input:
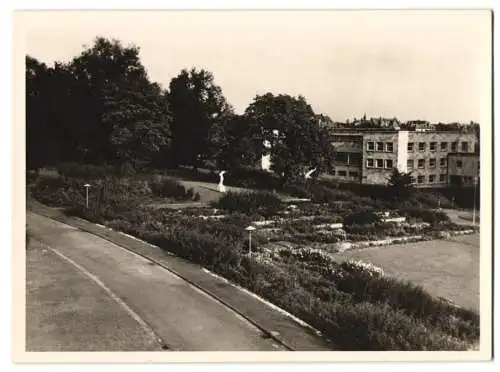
[(380, 146), (379, 163), (410, 164), (343, 173), (431, 178), (422, 146)]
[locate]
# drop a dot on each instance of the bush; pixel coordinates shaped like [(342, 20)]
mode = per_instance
[(369, 285), (250, 202), (58, 192), (87, 172), (171, 188), (253, 178), (201, 247), (297, 191), (425, 215), (361, 217)]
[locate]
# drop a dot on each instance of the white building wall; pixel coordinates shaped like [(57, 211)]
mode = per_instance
[(402, 149)]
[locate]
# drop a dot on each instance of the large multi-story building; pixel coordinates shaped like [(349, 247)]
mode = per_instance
[(435, 159)]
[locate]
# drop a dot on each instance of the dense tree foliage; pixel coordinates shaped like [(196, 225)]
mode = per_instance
[(401, 183), (196, 104), (236, 142), (298, 141), (100, 107)]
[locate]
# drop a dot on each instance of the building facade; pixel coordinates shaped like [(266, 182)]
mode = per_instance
[(463, 169), (434, 158)]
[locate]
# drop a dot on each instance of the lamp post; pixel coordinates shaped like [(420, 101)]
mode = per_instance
[(475, 179), (87, 194), (474, 204), (250, 229)]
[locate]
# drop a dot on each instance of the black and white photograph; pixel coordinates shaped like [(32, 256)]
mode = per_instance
[(255, 181)]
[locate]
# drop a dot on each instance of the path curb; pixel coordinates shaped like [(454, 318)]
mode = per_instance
[(96, 229)]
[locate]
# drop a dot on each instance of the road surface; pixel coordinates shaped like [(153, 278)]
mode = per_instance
[(85, 293)]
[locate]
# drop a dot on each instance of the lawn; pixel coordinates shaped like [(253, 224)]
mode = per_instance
[(445, 268)]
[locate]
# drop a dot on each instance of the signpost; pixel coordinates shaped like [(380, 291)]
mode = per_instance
[(250, 229), (87, 194)]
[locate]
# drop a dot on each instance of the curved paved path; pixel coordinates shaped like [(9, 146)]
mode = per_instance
[(86, 293)]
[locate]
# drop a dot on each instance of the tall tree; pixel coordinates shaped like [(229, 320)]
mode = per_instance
[(196, 104), (38, 134), (236, 141), (123, 115), (401, 183), (297, 140)]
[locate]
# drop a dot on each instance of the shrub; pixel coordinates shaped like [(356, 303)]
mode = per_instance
[(426, 215), (297, 191), (87, 172), (324, 194), (368, 284), (58, 191), (361, 217), (200, 247), (253, 178), (171, 188), (250, 202)]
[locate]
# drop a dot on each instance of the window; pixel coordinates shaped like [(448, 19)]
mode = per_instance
[(380, 163), (420, 179), (333, 172), (389, 147), (459, 163), (342, 158), (388, 163), (421, 146), (342, 173), (432, 146), (432, 178), (442, 178), (476, 147), (421, 163), (432, 163), (409, 164), (370, 146), (369, 163), (442, 162), (410, 146), (444, 146), (454, 146), (380, 146), (467, 180), (353, 174), (465, 146)]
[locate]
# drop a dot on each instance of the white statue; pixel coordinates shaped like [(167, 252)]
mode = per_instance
[(222, 188), (308, 174)]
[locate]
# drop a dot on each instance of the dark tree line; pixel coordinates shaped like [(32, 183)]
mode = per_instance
[(102, 108)]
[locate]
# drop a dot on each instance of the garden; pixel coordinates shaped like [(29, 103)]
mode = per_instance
[(355, 304)]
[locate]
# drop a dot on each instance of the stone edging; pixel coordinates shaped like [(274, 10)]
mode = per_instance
[(59, 216)]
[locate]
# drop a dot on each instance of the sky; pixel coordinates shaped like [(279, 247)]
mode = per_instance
[(429, 65)]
